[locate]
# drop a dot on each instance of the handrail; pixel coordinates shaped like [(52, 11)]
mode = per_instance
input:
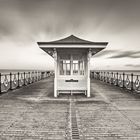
[(129, 81), (14, 80)]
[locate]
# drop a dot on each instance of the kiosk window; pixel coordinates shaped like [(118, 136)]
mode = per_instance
[(75, 67), (71, 65), (81, 67), (65, 67)]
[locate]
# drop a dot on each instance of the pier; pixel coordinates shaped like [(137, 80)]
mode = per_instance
[(32, 113), (69, 70)]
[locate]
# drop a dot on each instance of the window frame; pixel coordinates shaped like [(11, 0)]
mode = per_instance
[(80, 72)]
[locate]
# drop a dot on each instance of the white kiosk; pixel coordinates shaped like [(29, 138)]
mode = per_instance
[(72, 63)]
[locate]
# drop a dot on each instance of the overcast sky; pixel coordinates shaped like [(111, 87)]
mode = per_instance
[(24, 22)]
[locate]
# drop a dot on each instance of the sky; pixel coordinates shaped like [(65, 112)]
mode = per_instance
[(25, 22)]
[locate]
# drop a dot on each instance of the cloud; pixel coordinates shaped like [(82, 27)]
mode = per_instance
[(27, 19), (105, 53), (24, 22), (133, 65), (126, 54)]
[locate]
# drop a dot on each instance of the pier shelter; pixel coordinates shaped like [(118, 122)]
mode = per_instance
[(72, 63)]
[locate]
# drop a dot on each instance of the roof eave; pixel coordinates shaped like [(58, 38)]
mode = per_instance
[(71, 43)]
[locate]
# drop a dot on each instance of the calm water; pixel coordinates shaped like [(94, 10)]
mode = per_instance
[(135, 72), (7, 71)]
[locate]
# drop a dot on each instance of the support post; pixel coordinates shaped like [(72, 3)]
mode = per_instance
[(55, 75), (117, 79), (93, 74), (101, 76), (29, 79), (0, 83), (24, 79), (18, 80), (104, 76), (132, 82), (88, 73), (107, 77), (111, 77), (123, 80), (10, 81)]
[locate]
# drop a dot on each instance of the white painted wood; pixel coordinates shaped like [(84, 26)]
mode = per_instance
[(71, 46), (62, 85), (70, 50), (55, 78), (80, 85), (88, 73)]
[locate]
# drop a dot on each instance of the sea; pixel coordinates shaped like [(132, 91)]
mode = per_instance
[(7, 71), (135, 72)]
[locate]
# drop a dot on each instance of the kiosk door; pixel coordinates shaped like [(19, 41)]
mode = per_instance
[(71, 73)]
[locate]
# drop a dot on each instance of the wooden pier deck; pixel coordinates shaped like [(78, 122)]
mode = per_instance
[(31, 113)]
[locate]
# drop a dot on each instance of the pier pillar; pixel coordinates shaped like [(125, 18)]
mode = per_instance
[(55, 76), (88, 73)]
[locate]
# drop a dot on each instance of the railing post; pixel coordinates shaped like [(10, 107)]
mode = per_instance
[(18, 80), (123, 80), (36, 76), (0, 83), (99, 75), (42, 75), (117, 79), (131, 81), (107, 77), (111, 77), (24, 78), (32, 75), (45, 74), (10, 81), (104, 76), (29, 79)]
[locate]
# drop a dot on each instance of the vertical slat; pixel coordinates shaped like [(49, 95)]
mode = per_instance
[(0, 83), (107, 77), (10, 81), (131, 81), (24, 78), (117, 79), (123, 80), (112, 78), (18, 80), (104, 76), (29, 78)]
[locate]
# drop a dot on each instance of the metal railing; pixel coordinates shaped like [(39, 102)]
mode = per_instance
[(10, 81), (129, 81)]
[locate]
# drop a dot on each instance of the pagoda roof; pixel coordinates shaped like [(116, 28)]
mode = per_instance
[(72, 40)]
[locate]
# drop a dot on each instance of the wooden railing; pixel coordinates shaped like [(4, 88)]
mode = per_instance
[(129, 81), (10, 81)]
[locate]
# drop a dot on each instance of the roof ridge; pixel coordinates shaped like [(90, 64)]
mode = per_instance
[(72, 39)]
